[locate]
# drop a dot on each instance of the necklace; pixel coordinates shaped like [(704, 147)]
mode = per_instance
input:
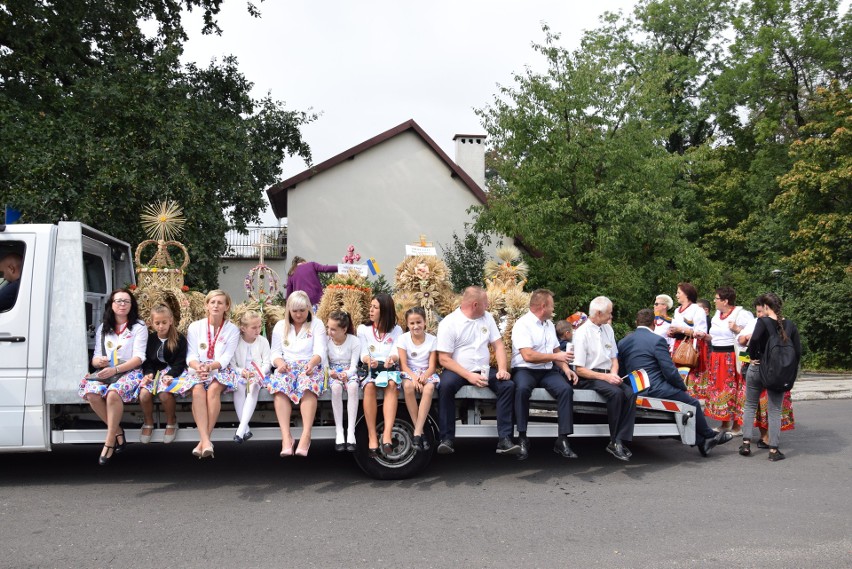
[(211, 341), (119, 330), (378, 337)]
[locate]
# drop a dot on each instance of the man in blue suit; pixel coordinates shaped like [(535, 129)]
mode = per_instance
[(645, 350)]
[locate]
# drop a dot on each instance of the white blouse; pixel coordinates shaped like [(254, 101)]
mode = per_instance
[(200, 334), (345, 356), (309, 342), (131, 343), (417, 356), (377, 346), (720, 332), (255, 354), (693, 317)]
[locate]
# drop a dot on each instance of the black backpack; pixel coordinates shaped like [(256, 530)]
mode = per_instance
[(779, 365)]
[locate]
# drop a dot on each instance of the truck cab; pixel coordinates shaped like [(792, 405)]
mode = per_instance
[(47, 334)]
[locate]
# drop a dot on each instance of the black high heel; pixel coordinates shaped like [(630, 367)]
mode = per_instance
[(103, 460), (119, 447)]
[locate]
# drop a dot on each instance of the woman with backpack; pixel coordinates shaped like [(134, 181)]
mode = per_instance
[(775, 351)]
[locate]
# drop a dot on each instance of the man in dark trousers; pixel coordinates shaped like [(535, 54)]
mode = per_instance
[(645, 350)]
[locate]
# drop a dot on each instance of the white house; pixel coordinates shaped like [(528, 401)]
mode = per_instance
[(381, 195)]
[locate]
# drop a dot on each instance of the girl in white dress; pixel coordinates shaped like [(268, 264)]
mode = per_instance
[(343, 351), (252, 362), (418, 360)]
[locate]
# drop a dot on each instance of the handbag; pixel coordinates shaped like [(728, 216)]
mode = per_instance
[(685, 355)]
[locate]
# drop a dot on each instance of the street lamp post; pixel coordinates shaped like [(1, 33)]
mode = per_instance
[(777, 274)]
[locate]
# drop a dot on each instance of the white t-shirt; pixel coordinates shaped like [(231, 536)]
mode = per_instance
[(200, 333), (530, 332), (467, 340), (417, 356), (720, 332), (309, 342), (255, 354), (131, 343), (378, 346), (344, 356), (594, 346)]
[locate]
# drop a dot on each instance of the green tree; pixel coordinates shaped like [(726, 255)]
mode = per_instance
[(816, 200), (98, 119), (584, 178), (466, 257)]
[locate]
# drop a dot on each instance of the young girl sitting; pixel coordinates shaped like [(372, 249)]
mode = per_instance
[(417, 361), (343, 351), (252, 362), (165, 359), (378, 338)]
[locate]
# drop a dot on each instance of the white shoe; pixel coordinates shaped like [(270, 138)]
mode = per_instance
[(145, 439), (170, 438)]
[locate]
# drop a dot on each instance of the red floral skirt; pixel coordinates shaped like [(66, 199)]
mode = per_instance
[(725, 389)]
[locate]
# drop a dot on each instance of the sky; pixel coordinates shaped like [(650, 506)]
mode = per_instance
[(369, 66)]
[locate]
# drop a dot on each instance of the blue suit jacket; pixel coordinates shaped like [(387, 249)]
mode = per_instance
[(645, 350)]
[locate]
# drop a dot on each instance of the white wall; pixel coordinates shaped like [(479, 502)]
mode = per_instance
[(379, 201), (232, 274)]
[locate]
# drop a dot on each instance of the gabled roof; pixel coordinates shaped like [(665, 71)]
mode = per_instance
[(278, 193)]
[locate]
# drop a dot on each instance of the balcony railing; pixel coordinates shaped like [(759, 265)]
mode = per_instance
[(247, 245)]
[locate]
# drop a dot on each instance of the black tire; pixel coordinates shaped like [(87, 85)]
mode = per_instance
[(403, 462)]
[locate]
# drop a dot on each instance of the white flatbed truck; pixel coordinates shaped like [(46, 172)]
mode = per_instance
[(46, 341)]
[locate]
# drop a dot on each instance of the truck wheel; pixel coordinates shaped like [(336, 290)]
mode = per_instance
[(403, 462)]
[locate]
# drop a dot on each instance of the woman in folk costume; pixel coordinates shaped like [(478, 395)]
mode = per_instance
[(689, 321)]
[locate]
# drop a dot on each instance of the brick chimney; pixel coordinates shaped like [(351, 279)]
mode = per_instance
[(470, 155)]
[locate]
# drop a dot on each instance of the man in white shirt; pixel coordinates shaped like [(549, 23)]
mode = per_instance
[(535, 350), (463, 340), (596, 362)]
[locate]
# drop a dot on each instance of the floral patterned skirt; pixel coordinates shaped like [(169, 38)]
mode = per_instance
[(725, 390), (127, 386), (162, 384), (696, 378), (788, 422), (182, 385), (418, 370), (294, 383)]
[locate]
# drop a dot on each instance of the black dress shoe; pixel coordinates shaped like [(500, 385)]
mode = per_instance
[(708, 445), (506, 446), (340, 447), (373, 452), (446, 447), (562, 448), (350, 447), (524, 443), (417, 443), (626, 450), (616, 450), (761, 444), (247, 436), (119, 446), (724, 437), (238, 439)]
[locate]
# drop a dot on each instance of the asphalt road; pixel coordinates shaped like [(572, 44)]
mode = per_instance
[(157, 506)]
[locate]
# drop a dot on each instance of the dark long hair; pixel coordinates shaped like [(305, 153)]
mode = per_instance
[(387, 312), (343, 320), (109, 316), (773, 301)]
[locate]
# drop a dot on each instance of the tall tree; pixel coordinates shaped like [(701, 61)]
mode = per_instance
[(98, 119), (583, 177)]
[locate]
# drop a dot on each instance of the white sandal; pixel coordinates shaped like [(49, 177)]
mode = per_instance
[(170, 438), (145, 439)]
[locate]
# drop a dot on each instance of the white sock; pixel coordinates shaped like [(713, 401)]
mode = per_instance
[(249, 403), (239, 401), (337, 409), (351, 410)]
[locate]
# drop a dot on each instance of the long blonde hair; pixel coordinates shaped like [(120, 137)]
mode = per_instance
[(298, 300), (172, 337)]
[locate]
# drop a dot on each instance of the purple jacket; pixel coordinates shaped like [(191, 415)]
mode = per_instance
[(305, 278)]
